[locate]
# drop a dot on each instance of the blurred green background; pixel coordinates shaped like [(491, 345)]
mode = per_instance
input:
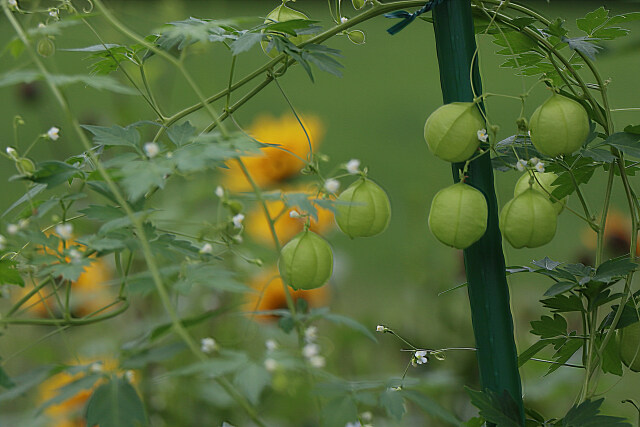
[(375, 113)]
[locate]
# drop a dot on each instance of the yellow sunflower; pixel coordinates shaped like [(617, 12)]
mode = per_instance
[(277, 163), (270, 294)]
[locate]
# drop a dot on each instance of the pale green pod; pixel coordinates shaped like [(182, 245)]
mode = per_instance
[(368, 211), (284, 13), (559, 126), (451, 131), (544, 178), (528, 220), (458, 215), (306, 261)]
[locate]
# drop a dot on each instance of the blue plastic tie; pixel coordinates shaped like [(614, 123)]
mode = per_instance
[(407, 18)]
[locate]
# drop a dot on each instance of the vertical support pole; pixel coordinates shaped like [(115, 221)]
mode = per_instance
[(484, 260)]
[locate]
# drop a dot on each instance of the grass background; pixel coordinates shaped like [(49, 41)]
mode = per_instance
[(375, 113)]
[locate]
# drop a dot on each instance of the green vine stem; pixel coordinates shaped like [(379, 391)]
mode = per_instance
[(135, 220)]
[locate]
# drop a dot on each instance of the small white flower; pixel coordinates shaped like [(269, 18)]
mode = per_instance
[(310, 350), (317, 361), (366, 416), (332, 185), (343, 19), (219, 191), (270, 364), (521, 165), (75, 255), (420, 357), (130, 376), (23, 223), (64, 231), (482, 135), (3, 242), (294, 213), (534, 161), (12, 153), (237, 220), (53, 13), (310, 334), (13, 229), (271, 345), (380, 328), (206, 248), (353, 166), (53, 133), (208, 345), (540, 167), (151, 149), (13, 3), (96, 367)]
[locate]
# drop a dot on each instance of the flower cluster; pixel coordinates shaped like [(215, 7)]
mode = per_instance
[(311, 350), (534, 162)]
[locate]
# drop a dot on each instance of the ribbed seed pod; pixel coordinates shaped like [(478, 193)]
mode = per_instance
[(451, 131), (306, 261), (368, 212), (528, 220), (545, 179)]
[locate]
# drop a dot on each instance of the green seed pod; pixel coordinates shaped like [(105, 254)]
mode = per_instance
[(368, 212), (546, 179), (451, 131), (356, 36), (559, 126), (528, 220), (25, 166), (306, 261), (458, 215), (284, 13), (358, 4), (629, 346), (45, 47)]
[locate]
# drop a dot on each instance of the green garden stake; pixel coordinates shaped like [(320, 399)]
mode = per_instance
[(484, 260)]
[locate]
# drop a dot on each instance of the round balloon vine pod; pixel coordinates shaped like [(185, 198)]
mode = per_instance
[(559, 126), (368, 211), (630, 346), (451, 131), (284, 13), (543, 181), (458, 215), (528, 220), (306, 261)]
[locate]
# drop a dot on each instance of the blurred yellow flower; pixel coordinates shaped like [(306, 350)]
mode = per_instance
[(257, 226), (270, 294), (69, 413), (617, 234), (88, 294), (276, 164)]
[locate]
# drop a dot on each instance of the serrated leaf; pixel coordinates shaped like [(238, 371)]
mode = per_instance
[(546, 263), (628, 143), (339, 411), (614, 268), (593, 19), (53, 173), (564, 353), (251, 380), (548, 327), (564, 303), (181, 134), (211, 276), (560, 288), (500, 410), (115, 135), (115, 404), (245, 42), (141, 176), (9, 274), (393, 403), (587, 414), (430, 406)]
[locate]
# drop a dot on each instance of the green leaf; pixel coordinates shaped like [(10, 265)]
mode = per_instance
[(68, 270), (9, 274), (628, 317), (5, 380), (587, 414), (548, 327), (349, 322), (245, 42), (115, 404), (614, 268), (430, 406), (393, 403), (560, 288), (339, 411), (210, 276), (533, 350), (97, 82), (225, 363), (500, 410), (564, 303), (162, 330), (102, 213), (611, 362), (70, 390), (251, 380), (628, 143), (592, 20), (29, 195), (143, 357), (53, 173), (115, 135), (563, 353), (546, 263), (181, 134), (140, 177), (27, 381)]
